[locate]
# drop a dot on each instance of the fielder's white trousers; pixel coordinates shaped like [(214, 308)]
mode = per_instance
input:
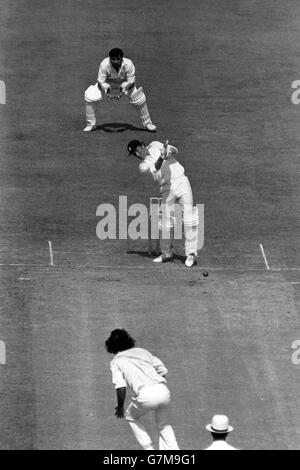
[(178, 191), (90, 107), (153, 398)]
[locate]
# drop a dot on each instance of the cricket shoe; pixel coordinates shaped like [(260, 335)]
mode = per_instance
[(190, 260), (150, 127), (163, 259), (89, 128)]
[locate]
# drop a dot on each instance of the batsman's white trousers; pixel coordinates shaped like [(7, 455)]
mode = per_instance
[(152, 398), (179, 190)]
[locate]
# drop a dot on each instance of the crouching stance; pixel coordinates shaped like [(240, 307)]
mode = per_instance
[(145, 375), (116, 76)]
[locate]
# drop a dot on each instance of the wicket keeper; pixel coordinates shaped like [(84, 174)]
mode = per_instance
[(116, 75)]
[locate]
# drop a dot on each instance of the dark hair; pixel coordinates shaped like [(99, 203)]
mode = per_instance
[(119, 340), (113, 53)]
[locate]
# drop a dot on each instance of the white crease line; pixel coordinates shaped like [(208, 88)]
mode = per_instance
[(24, 264), (264, 256), (2, 353), (51, 253), (124, 266), (244, 255)]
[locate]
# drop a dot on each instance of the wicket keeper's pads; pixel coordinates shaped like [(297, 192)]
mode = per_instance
[(92, 93), (138, 98)]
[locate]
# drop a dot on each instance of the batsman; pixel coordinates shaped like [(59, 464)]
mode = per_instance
[(116, 77), (159, 160)]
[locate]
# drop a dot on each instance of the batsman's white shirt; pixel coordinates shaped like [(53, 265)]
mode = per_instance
[(137, 368), (107, 74), (170, 170)]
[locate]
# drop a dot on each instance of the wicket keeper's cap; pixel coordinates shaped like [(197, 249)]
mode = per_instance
[(219, 424), (133, 145)]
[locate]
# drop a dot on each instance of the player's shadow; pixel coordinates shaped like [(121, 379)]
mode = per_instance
[(146, 254), (110, 127)]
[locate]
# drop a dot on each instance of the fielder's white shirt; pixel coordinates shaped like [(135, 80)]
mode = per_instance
[(170, 170), (220, 445), (137, 368), (107, 73)]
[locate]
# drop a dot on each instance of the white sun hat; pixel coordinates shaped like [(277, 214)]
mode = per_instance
[(219, 424)]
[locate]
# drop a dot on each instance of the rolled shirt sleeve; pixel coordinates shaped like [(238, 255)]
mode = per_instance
[(130, 73), (102, 73), (159, 366), (117, 376)]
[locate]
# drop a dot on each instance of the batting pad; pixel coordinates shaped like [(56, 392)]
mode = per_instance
[(194, 221), (92, 93)]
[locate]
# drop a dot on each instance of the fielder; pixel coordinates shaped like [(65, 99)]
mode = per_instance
[(219, 429), (116, 74), (145, 375), (158, 159)]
